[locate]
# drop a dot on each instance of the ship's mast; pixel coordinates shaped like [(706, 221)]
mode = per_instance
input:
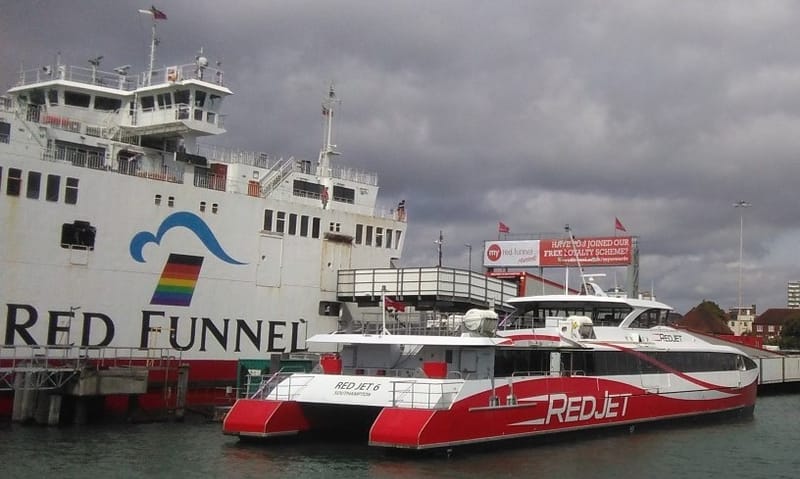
[(324, 173), (156, 14)]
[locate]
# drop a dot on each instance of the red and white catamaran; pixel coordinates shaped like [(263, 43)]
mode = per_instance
[(558, 363)]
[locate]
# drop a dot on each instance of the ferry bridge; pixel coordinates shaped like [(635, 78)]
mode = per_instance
[(40, 377)]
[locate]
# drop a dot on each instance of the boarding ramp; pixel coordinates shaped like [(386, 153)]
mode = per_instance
[(435, 288)]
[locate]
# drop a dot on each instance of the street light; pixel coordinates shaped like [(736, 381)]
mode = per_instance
[(469, 261), (741, 204)]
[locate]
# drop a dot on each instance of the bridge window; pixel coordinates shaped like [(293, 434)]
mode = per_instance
[(34, 182), (344, 195), (107, 104), (164, 101), (73, 98), (52, 97), (148, 104)]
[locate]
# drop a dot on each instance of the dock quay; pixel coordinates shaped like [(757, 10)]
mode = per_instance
[(53, 385)]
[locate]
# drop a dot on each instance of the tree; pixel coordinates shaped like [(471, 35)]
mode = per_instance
[(790, 333)]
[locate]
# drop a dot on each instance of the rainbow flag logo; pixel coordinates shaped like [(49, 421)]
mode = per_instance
[(176, 286)]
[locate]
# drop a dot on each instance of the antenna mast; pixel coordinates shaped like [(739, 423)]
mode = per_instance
[(577, 259)]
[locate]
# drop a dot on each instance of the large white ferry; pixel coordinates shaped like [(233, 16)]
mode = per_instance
[(557, 363), (120, 229)]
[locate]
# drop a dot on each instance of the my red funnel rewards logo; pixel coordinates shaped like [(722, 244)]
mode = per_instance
[(493, 252)]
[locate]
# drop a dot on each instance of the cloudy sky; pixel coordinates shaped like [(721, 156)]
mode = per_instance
[(534, 113)]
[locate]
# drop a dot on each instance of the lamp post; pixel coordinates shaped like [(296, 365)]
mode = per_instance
[(741, 204), (469, 253)]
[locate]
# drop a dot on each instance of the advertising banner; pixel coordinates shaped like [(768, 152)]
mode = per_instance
[(598, 251)]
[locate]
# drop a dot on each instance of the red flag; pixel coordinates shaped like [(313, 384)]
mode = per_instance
[(502, 228), (158, 14), (618, 225), (392, 305)]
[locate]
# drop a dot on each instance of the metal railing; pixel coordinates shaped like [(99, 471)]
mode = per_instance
[(425, 395)]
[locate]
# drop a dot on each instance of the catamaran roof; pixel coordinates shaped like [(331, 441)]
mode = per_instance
[(387, 339), (575, 298)]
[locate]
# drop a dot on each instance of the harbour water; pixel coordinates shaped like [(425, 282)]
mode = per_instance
[(762, 446)]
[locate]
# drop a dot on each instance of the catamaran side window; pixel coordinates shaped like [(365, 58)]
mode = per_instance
[(34, 182), (78, 235), (315, 225), (71, 195), (359, 233), (304, 225), (267, 220), (14, 182), (280, 223), (648, 319), (292, 223)]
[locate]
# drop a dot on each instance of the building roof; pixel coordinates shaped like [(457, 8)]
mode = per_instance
[(703, 321), (776, 315)]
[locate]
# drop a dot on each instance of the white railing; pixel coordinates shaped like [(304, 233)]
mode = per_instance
[(425, 395)]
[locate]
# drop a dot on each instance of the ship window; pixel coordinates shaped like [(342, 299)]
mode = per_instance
[(388, 238), (368, 238), (315, 225), (164, 101), (280, 222), (1, 176), (267, 220), (344, 195), (52, 97), (182, 97), (214, 208), (34, 182), (329, 308), (334, 227), (378, 237), (397, 235), (107, 104), (306, 189), (53, 187), (147, 103), (79, 235), (14, 183), (202, 206), (73, 98), (293, 224), (359, 233), (304, 225), (71, 195), (171, 201), (5, 132), (199, 98)]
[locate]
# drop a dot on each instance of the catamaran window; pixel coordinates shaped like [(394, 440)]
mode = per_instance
[(368, 238), (698, 361), (280, 222), (378, 237), (79, 235), (315, 226), (267, 220), (304, 225), (53, 188), (73, 98), (650, 318), (292, 223), (148, 104), (5, 132), (52, 97), (388, 238), (34, 182), (359, 233), (71, 195), (164, 101), (508, 362), (107, 104), (14, 183)]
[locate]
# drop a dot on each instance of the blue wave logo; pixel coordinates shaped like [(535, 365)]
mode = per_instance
[(186, 220)]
